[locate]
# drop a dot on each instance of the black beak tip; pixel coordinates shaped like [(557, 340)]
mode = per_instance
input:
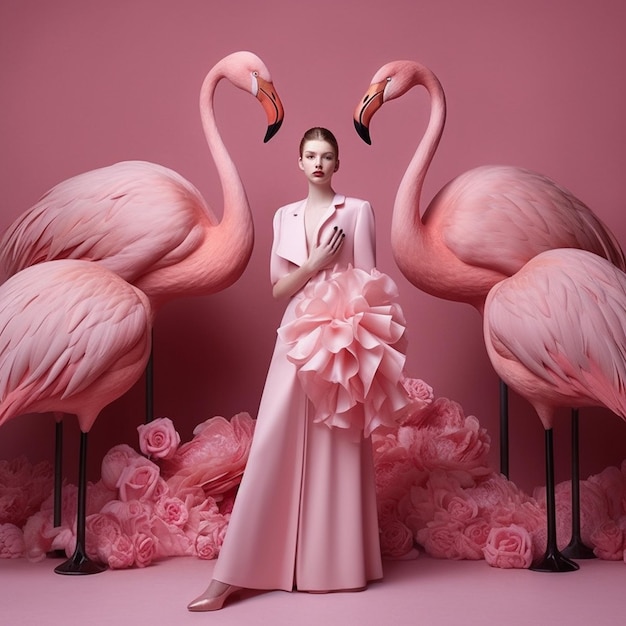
[(363, 132), (272, 129)]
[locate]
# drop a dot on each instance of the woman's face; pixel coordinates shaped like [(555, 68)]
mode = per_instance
[(318, 161)]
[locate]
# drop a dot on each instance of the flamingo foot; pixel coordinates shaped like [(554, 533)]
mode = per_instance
[(554, 561), (79, 564), (576, 549)]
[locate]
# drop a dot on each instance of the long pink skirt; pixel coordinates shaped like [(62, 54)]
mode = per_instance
[(305, 515)]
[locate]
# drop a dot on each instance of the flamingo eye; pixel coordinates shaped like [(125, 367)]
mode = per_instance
[(255, 73), (388, 79)]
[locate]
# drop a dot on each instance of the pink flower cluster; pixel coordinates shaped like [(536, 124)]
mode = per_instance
[(436, 492), (176, 503)]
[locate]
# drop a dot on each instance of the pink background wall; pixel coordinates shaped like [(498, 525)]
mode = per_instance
[(537, 83)]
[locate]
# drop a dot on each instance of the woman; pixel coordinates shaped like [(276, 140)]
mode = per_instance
[(305, 514)]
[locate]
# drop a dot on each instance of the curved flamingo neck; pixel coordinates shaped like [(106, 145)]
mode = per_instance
[(235, 229), (407, 220)]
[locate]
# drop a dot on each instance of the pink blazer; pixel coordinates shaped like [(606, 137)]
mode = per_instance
[(354, 216)]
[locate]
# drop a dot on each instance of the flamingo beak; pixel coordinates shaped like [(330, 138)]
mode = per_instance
[(369, 104), (267, 96)]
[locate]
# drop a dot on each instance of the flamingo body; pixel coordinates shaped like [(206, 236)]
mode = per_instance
[(485, 224), (555, 332), (146, 222), (73, 337)]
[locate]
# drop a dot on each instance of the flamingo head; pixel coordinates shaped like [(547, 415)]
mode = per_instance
[(391, 81), (246, 71)]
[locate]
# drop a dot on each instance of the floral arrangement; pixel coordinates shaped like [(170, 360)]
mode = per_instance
[(435, 493), (169, 500)]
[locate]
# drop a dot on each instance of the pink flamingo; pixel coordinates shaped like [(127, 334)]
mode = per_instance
[(482, 226), (556, 333), (74, 336), (144, 221)]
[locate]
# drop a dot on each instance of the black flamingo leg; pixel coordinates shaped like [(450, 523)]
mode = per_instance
[(576, 548), (58, 481), (79, 563), (504, 429), (552, 560)]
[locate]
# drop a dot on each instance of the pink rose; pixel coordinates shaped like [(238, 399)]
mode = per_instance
[(477, 532), (418, 390), (608, 541), (396, 540), (420, 396), (115, 461), (206, 547), (158, 439), (101, 532), (122, 553), (11, 542), (139, 481), (509, 547), (459, 507), (173, 511), (171, 540), (133, 516), (211, 536), (144, 548), (199, 514), (440, 539)]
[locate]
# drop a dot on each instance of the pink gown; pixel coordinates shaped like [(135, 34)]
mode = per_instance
[(305, 515)]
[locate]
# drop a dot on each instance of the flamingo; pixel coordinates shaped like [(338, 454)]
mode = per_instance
[(556, 333), (483, 225), (519, 213), (146, 222), (74, 336)]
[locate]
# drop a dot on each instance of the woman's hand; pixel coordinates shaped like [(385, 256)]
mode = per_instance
[(320, 258), (322, 254)]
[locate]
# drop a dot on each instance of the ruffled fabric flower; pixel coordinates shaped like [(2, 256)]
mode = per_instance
[(346, 341), (158, 439), (214, 460)]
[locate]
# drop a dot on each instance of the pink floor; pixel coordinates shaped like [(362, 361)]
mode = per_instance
[(422, 592)]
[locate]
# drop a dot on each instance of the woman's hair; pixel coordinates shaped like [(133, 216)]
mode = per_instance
[(320, 134)]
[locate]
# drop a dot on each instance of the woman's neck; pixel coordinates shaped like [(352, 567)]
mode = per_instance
[(320, 196)]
